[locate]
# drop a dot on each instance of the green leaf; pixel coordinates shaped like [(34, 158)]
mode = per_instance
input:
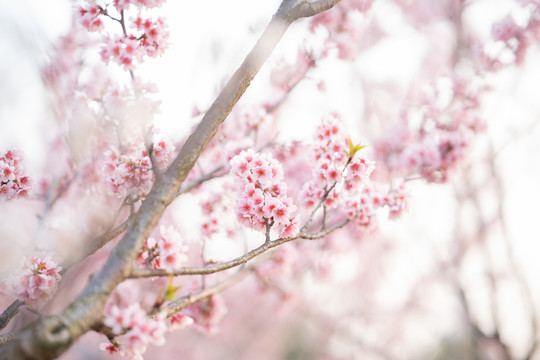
[(353, 149), (170, 292)]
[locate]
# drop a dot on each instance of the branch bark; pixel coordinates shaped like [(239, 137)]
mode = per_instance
[(50, 336), (9, 313)]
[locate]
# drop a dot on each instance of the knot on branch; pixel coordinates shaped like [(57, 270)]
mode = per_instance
[(292, 10), (54, 333)]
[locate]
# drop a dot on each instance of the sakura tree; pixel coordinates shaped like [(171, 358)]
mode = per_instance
[(146, 230)]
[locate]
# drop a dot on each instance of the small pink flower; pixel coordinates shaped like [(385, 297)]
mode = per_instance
[(281, 214), (110, 348), (179, 321), (172, 250)]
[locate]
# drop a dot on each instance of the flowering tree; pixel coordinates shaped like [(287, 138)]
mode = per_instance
[(283, 205)]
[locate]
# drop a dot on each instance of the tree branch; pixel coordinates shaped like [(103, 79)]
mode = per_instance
[(179, 304), (182, 303), (211, 269), (9, 313), (95, 245)]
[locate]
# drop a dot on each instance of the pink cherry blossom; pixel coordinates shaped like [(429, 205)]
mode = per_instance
[(136, 328), (128, 174), (38, 280), (13, 182), (262, 197), (180, 321), (168, 252), (207, 313), (90, 17), (164, 151)]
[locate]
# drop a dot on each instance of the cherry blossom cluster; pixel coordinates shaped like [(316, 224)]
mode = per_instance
[(37, 282), (218, 216), (131, 173), (90, 17), (13, 182), (150, 40), (448, 117), (337, 171), (263, 200), (211, 209), (140, 4), (148, 36), (364, 208), (164, 152), (62, 72), (344, 33), (128, 174), (286, 76), (136, 328), (511, 37), (168, 252), (207, 313)]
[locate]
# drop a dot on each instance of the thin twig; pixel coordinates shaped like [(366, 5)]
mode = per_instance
[(185, 301), (211, 175), (9, 313), (211, 269), (323, 199)]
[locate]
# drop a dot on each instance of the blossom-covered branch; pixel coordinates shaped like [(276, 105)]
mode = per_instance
[(211, 269), (52, 335)]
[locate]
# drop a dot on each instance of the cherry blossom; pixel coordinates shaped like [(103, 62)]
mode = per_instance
[(90, 18), (263, 200), (13, 182), (37, 283), (128, 174), (136, 328), (207, 314), (149, 38), (168, 252), (337, 168)]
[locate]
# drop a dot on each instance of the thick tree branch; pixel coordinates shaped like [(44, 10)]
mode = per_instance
[(50, 336)]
